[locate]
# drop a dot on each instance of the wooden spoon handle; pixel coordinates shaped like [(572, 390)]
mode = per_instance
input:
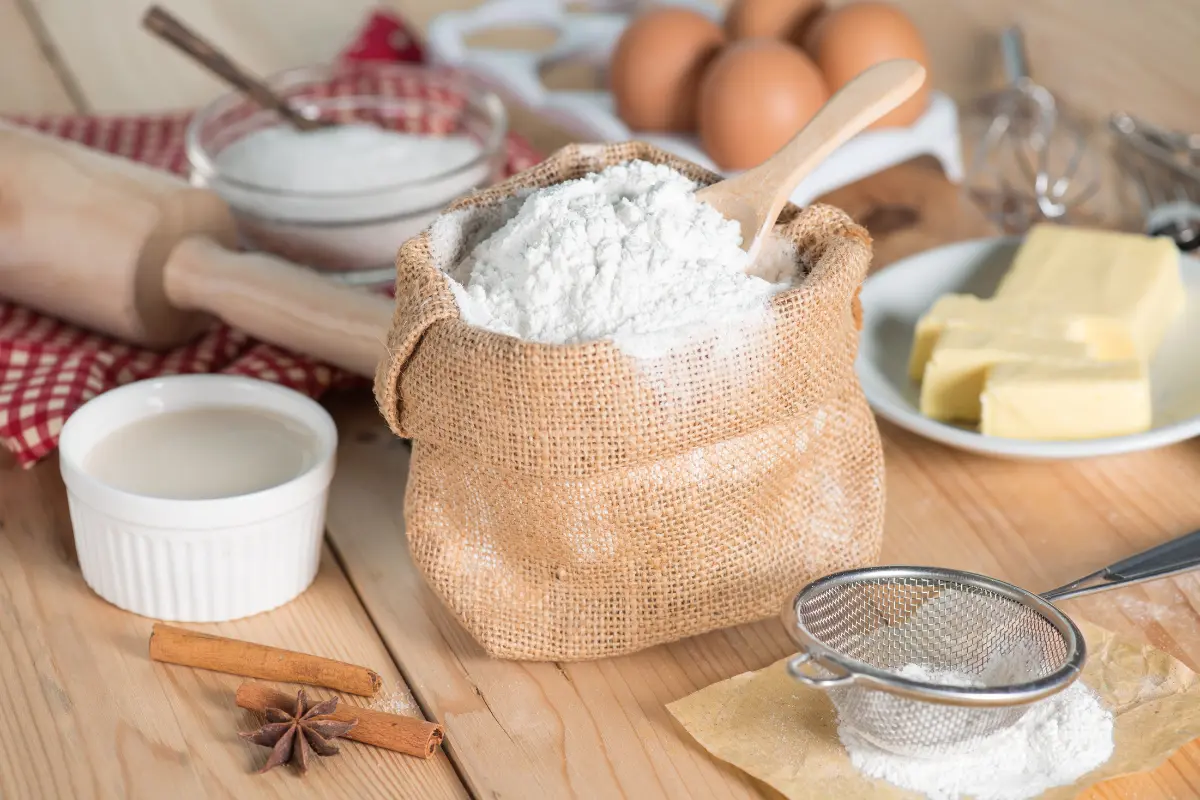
[(875, 92), (281, 303), (767, 187)]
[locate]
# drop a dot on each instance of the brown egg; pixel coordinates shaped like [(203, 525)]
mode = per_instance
[(771, 19), (756, 95), (656, 67), (849, 39)]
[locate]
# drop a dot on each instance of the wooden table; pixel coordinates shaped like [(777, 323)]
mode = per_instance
[(84, 713)]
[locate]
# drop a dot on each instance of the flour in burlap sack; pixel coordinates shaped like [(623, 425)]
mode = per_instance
[(628, 254), (564, 509)]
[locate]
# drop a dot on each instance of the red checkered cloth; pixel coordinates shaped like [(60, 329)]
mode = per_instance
[(49, 368)]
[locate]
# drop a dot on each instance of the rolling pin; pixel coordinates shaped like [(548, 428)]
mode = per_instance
[(140, 255)]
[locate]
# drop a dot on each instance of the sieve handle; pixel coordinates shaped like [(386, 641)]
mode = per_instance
[(1170, 558), (796, 668)]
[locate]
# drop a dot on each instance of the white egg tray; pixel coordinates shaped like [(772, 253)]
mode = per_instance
[(591, 35)]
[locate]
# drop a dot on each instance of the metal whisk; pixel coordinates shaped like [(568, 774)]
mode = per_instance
[(1165, 169), (862, 632), (1033, 162)]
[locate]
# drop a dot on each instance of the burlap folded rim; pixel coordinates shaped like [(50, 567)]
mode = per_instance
[(569, 501)]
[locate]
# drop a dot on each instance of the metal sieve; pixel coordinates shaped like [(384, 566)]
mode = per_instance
[(884, 643)]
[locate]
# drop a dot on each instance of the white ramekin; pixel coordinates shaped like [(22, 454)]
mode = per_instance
[(196, 560)]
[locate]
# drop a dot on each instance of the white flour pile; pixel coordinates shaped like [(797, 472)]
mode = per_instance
[(626, 254), (344, 158), (342, 198), (1060, 739)]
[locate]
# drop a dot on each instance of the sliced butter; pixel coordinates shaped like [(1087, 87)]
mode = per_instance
[(1127, 284), (974, 313), (958, 367), (1051, 402)]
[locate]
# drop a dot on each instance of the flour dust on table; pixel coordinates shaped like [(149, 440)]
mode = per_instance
[(1059, 740), (626, 254)]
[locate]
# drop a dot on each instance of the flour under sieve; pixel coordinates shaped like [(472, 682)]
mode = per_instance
[(627, 254), (1058, 741)]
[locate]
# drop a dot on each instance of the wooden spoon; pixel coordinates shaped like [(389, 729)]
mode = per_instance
[(165, 26), (755, 198)]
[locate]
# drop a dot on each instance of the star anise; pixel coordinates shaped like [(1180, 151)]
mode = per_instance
[(291, 736)]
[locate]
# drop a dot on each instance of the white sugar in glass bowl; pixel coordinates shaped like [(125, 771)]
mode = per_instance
[(198, 498), (350, 219)]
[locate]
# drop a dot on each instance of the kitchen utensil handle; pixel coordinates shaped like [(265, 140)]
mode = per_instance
[(1181, 552), (279, 302), (838, 676), (165, 26), (1170, 558), (1012, 48)]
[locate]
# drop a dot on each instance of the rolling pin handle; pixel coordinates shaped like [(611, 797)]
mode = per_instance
[(278, 302)]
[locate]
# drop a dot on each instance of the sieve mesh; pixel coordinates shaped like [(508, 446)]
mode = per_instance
[(876, 623)]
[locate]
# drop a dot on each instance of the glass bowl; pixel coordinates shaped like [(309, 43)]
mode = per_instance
[(352, 235)]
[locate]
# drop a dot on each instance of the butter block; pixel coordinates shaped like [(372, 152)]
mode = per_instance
[(957, 369), (1056, 402), (975, 313), (1127, 284)]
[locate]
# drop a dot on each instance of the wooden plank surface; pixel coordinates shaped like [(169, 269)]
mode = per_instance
[(1097, 56), (87, 714), (87, 720)]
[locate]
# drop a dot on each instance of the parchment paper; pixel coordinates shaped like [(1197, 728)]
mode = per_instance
[(784, 733)]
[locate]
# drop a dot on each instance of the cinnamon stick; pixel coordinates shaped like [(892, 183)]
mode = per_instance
[(193, 649), (408, 735)]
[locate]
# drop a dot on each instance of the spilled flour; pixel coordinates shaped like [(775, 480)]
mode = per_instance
[(397, 700), (1059, 740), (627, 254)]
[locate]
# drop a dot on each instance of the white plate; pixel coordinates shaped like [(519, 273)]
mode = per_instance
[(894, 298)]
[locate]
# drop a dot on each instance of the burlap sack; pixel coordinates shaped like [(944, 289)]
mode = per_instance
[(571, 502)]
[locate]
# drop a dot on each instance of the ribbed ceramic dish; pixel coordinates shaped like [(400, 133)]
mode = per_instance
[(196, 560)]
